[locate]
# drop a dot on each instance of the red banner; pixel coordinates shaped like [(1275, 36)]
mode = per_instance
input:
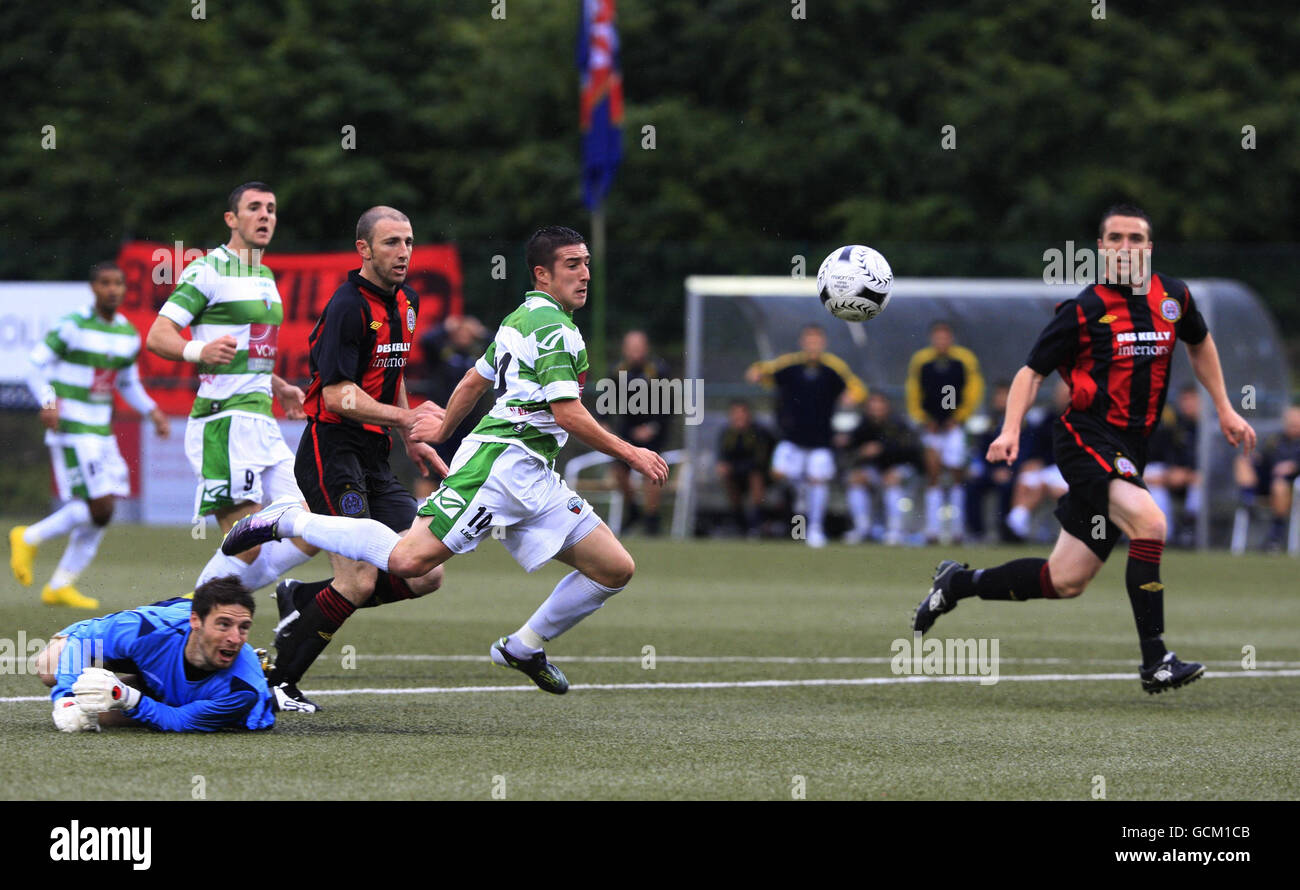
[(306, 281)]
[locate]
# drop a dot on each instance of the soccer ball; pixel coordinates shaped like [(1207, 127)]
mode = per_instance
[(854, 283)]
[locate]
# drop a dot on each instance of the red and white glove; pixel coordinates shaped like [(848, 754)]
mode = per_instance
[(98, 690), (69, 717)]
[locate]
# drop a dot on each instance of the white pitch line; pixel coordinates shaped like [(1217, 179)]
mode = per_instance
[(780, 659), (757, 684), (761, 659)]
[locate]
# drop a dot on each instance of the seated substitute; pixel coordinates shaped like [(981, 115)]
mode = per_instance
[(883, 451), (984, 478), (186, 666), (744, 452), (1039, 475), (1172, 469), (1273, 473)]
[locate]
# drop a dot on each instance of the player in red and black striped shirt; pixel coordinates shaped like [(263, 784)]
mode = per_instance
[(359, 349), (1113, 345)]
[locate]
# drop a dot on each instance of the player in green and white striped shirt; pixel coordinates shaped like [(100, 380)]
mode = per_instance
[(83, 360), (503, 473), (230, 303)]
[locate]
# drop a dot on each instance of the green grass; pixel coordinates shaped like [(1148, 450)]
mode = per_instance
[(1221, 738)]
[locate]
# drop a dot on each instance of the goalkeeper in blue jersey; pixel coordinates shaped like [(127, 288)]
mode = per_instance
[(185, 666)]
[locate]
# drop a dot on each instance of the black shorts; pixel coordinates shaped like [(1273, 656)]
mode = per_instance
[(343, 471), (1090, 453)]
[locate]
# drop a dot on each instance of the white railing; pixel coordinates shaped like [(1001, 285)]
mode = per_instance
[(573, 469)]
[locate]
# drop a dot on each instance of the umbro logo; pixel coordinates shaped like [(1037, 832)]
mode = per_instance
[(1107, 318)]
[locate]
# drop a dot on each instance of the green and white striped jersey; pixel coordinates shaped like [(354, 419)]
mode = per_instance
[(217, 295), (81, 362), (538, 356)]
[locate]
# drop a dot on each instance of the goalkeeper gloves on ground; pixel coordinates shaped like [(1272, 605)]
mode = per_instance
[(69, 717), (100, 690)]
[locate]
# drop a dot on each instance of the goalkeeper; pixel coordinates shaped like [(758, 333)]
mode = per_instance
[(186, 666)]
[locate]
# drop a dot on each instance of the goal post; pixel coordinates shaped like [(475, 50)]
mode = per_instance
[(732, 321)]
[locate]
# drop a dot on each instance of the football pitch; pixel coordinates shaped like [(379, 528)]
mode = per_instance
[(727, 670)]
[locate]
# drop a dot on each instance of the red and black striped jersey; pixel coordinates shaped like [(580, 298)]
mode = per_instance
[(364, 335), (1114, 348)]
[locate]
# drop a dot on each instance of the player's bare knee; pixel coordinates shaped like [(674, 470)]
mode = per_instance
[(426, 583), (1069, 588), (618, 572), (101, 512), (406, 564), (1151, 524)]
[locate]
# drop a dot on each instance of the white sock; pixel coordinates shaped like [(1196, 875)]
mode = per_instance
[(957, 502), (274, 559), (60, 522), (818, 493), (363, 539), (860, 508), (573, 599), (933, 504), (220, 565), (893, 509), (1018, 520), (83, 544)]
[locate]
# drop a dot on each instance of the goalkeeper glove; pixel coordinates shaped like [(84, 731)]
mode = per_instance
[(100, 690), (68, 717)]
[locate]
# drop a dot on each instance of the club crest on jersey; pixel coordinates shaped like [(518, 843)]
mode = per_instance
[(1170, 310), (352, 503), (575, 504), (410, 319), (1125, 466)]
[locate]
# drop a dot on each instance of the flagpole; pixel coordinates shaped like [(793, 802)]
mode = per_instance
[(596, 355)]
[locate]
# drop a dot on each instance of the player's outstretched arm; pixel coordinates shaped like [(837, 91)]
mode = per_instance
[(430, 427), (165, 340), (1205, 364), (425, 458), (577, 421), (346, 399), (1024, 390)]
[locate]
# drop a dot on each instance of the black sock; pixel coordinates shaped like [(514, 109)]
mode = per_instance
[(1147, 596), (317, 622), (388, 589), (1020, 579), (306, 592)]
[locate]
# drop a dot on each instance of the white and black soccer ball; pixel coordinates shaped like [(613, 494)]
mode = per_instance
[(854, 283)]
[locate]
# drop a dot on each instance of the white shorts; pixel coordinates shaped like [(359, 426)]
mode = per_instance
[(496, 485), (950, 446), (239, 458), (797, 463), (1049, 476), (89, 467)]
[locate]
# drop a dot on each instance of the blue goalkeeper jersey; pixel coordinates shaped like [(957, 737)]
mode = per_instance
[(150, 642)]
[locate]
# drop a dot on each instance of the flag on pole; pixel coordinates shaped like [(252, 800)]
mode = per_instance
[(602, 100)]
